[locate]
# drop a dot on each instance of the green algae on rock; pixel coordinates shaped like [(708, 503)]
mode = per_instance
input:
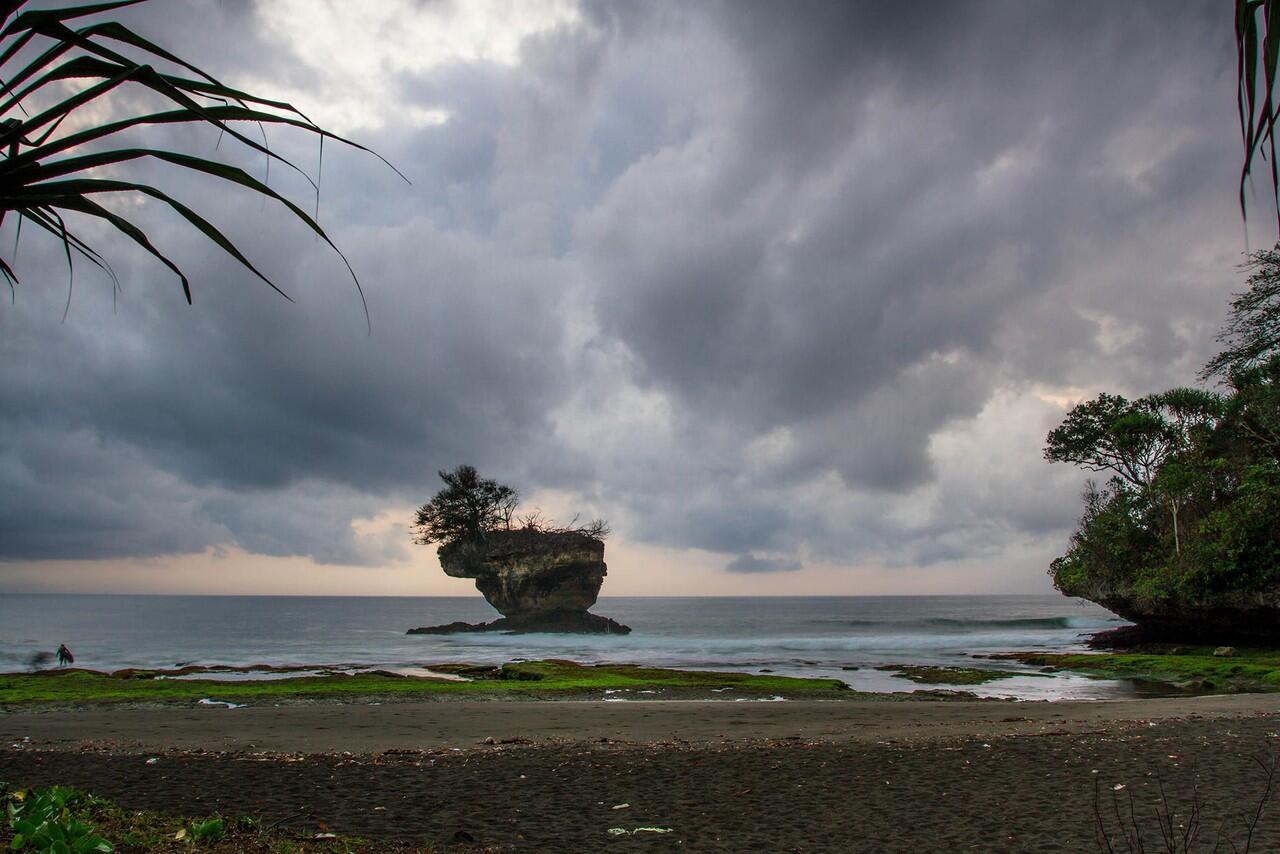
[(1193, 669), (526, 679), (927, 675)]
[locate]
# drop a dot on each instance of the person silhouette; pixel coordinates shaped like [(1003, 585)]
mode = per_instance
[(64, 656)]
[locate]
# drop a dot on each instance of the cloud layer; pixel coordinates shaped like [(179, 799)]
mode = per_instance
[(787, 284)]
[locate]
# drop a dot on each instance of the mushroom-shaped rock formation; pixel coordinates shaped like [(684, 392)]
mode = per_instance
[(541, 581)]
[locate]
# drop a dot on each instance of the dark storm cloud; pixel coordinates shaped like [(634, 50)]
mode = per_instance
[(754, 563), (732, 273), (902, 190), (791, 287)]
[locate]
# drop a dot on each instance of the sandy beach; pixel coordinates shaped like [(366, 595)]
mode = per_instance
[(858, 775), (448, 724)]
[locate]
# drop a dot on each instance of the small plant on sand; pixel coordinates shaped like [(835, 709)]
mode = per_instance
[(51, 820), (144, 830), (1120, 829), (206, 830)]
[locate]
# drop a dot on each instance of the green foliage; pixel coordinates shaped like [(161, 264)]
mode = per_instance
[(206, 830), (467, 508), (51, 820), (1193, 508), (1107, 543), (470, 507), (44, 175), (141, 830), (1252, 333), (1132, 439)]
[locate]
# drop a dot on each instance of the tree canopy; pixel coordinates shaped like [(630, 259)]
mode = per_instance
[(1252, 332), (1132, 439), (467, 508), (470, 508), (1193, 504)]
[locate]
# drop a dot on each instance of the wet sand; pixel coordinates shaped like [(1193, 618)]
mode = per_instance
[(373, 728), (856, 775)]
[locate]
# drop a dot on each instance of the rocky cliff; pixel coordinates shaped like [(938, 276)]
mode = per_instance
[(1245, 616), (539, 581)]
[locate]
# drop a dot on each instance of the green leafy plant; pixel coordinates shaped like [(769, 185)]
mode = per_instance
[(207, 830), (45, 174), (48, 820)]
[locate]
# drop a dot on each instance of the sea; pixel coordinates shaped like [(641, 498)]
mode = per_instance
[(840, 637)]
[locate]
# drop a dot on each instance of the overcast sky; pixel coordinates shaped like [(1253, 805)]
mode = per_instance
[(789, 292)]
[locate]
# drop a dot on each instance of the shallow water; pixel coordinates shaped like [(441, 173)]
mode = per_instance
[(839, 637)]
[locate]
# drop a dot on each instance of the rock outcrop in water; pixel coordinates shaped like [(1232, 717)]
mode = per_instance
[(541, 581)]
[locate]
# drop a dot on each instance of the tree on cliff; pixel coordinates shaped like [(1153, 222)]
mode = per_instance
[(1192, 514), (467, 508), (1132, 439), (1252, 332)]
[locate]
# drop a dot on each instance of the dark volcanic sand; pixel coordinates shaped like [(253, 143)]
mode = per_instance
[(992, 793)]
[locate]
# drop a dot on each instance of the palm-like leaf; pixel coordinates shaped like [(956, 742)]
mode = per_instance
[(43, 174), (1257, 50)]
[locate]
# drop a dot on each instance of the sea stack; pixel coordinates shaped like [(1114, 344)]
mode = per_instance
[(541, 581)]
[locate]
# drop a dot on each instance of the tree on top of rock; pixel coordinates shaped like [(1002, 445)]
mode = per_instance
[(468, 507), (471, 507)]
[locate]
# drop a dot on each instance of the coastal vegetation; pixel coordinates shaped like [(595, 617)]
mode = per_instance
[(51, 820), (38, 819), (1184, 538), (469, 508), (528, 679)]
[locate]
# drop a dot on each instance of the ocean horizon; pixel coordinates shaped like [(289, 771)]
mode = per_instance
[(842, 637)]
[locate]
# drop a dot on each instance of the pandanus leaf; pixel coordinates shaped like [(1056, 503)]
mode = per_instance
[(43, 219), (1258, 56), (55, 191), (114, 75), (233, 174), (36, 159), (88, 206)]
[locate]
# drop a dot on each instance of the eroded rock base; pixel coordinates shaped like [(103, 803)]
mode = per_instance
[(566, 622)]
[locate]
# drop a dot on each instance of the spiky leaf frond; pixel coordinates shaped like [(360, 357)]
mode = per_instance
[(44, 174)]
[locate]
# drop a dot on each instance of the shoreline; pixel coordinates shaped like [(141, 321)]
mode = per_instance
[(374, 727), (503, 764), (1146, 670), (911, 775)]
